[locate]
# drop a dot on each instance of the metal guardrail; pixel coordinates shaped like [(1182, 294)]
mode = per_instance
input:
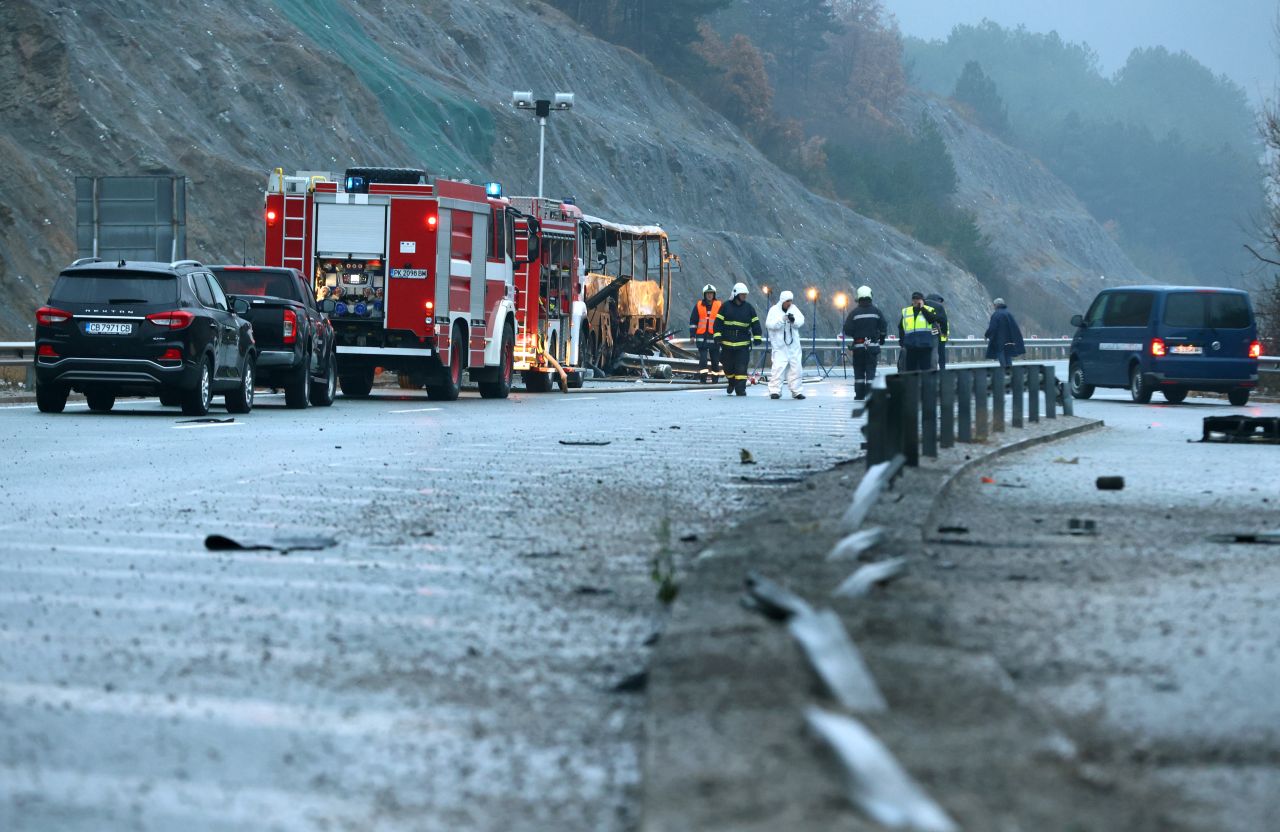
[(917, 413), (831, 351), (20, 354)]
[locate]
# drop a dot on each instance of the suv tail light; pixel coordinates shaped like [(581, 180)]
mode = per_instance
[(290, 326), (1157, 347), (171, 354), (1255, 349), (177, 319), (47, 316), (46, 351)]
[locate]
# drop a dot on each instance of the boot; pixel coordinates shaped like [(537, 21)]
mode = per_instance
[(859, 391)]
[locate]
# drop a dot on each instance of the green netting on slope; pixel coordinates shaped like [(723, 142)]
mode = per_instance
[(453, 136)]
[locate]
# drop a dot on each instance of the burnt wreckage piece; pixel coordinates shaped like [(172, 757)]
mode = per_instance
[(1231, 429)]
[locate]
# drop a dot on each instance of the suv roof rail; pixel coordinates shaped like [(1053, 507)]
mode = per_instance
[(84, 260), (196, 263)]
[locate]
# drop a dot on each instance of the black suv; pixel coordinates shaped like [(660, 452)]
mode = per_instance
[(138, 328)]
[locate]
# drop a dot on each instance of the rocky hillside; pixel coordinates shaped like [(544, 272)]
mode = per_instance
[(1054, 255), (223, 92)]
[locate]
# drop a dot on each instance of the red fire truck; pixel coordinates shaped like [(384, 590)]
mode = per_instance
[(416, 275)]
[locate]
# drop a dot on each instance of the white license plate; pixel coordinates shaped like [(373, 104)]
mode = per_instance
[(97, 328), (1187, 349)]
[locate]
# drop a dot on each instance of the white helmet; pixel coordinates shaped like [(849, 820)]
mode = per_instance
[(739, 289), (864, 292), (709, 288)]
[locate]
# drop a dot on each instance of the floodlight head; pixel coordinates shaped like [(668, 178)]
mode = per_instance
[(563, 101), (522, 100)]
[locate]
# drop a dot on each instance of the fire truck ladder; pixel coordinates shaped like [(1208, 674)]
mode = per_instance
[(295, 219)]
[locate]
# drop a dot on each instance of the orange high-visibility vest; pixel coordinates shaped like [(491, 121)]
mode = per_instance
[(707, 318)]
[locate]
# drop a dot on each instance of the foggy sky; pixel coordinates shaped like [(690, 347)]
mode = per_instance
[(1235, 37)]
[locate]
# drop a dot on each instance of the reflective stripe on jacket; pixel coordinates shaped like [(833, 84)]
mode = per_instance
[(916, 327), (704, 318), (738, 325)]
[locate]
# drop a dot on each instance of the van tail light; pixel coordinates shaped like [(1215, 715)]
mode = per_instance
[(46, 351), (177, 319), (1255, 349), (290, 326), (1158, 348), (47, 316)]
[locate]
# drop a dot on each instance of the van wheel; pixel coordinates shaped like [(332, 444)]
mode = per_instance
[(52, 398), (1080, 389), (1139, 390), (1238, 398), (196, 401), (501, 387), (1174, 395), (100, 401), (452, 387)]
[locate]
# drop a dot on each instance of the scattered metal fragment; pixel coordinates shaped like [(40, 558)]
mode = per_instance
[(635, 683), (592, 590), (1251, 429), (862, 581), (1075, 460), (877, 782), (1111, 483), (771, 480), (1082, 528), (772, 600), (746, 458), (206, 421), (836, 660), (586, 443), (852, 546), (873, 484), (285, 545), (1258, 538), (953, 530)]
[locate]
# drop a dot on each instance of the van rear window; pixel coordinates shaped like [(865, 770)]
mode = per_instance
[(115, 287), (1208, 310)]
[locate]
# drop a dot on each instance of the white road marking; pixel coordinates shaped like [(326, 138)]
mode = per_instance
[(416, 410), (209, 425)]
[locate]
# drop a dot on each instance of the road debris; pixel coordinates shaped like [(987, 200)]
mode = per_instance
[(873, 484), (877, 782), (746, 458), (862, 581), (1111, 483), (852, 546), (586, 443), (1075, 460), (1077, 527), (1257, 538), (836, 660), (206, 421), (1242, 429), (635, 683), (284, 545), (771, 480)]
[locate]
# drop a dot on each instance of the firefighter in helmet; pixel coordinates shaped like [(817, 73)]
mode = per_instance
[(702, 329), (865, 329), (737, 330)]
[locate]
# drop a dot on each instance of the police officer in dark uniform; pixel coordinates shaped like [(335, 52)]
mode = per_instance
[(865, 329), (941, 327), (737, 329)]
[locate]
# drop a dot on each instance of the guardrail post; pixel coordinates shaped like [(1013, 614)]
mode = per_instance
[(1068, 401), (30, 383), (897, 416), (1017, 377), (947, 406), (1050, 392), (964, 398), (929, 414), (981, 426), (911, 424), (997, 400), (1034, 380), (876, 427)]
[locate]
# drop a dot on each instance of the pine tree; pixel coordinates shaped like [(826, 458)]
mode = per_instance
[(978, 92)]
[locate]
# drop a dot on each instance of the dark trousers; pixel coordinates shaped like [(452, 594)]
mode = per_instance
[(736, 361), (942, 355), (864, 369), (708, 357), (918, 358), (1005, 356)]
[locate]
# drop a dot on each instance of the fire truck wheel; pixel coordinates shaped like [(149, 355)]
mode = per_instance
[(295, 389), (536, 382), (500, 387), (357, 384), (451, 388)]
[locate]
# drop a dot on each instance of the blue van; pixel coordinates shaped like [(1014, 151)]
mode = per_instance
[(1168, 338)]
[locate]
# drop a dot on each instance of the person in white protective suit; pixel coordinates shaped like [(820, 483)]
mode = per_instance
[(783, 324)]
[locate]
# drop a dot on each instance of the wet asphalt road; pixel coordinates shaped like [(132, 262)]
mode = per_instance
[(447, 664), (1154, 641)]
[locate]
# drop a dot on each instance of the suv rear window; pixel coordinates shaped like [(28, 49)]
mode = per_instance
[(274, 284), (1208, 310), (115, 287)]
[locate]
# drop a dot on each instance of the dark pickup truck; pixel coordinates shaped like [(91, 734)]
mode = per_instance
[(294, 338)]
